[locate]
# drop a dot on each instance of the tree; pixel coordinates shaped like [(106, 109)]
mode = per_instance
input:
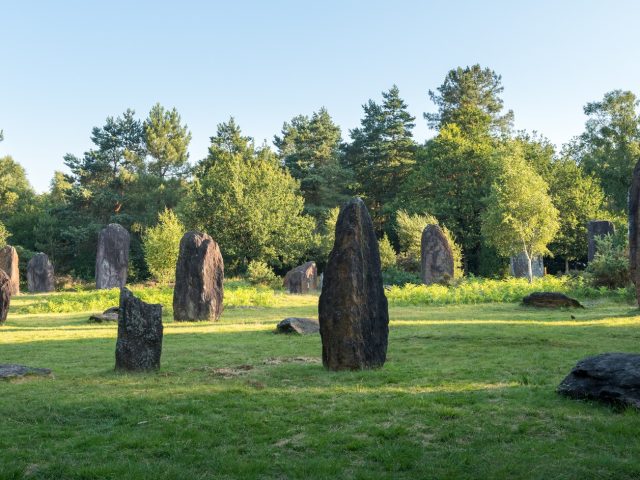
[(520, 216), (161, 245), (4, 235), (310, 149), (248, 203), (167, 142), (15, 190), (470, 98), (328, 233), (387, 253), (382, 153), (610, 145)]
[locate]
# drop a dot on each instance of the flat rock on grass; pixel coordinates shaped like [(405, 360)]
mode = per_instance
[(550, 300), (13, 371), (109, 315), (612, 378), (302, 326)]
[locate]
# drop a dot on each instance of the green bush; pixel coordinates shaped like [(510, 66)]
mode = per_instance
[(397, 276), (610, 265), (161, 245), (259, 273), (387, 253)]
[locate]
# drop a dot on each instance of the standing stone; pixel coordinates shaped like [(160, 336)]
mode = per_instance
[(597, 228), (40, 274), (9, 264), (436, 256), (198, 292), (139, 343), (5, 296), (112, 259), (518, 266), (634, 229), (302, 278), (353, 311)]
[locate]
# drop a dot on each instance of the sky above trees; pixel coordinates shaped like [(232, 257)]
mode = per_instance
[(67, 65)]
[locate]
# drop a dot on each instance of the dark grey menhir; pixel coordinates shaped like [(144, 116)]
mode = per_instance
[(5, 296), (112, 257), (353, 310), (139, 344), (612, 378), (634, 229), (597, 228), (40, 275)]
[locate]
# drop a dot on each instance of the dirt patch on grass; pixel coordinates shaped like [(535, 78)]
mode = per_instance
[(281, 360), (225, 372)]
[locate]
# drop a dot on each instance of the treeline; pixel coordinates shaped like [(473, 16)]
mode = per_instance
[(488, 185)]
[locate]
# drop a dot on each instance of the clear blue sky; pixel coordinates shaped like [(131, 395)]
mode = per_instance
[(67, 65)]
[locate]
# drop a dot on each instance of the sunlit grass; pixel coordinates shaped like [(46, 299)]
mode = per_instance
[(468, 391)]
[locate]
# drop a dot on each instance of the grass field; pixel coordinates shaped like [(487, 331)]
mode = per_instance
[(467, 392)]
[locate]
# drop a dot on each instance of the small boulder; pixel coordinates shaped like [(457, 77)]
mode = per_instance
[(40, 277), (550, 300), (109, 315), (302, 278), (13, 371), (302, 326), (139, 344), (612, 378), (5, 296), (9, 264)]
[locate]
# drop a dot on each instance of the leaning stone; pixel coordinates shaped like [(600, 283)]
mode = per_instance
[(199, 291), (5, 296), (597, 228), (13, 371), (109, 315), (9, 264), (353, 310), (302, 326), (436, 256), (112, 257), (302, 278), (139, 344), (40, 276), (612, 378), (518, 266), (550, 300), (634, 229)]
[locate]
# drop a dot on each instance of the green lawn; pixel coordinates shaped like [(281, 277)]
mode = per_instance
[(467, 392)]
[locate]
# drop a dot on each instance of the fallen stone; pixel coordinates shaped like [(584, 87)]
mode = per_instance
[(139, 344), (550, 300), (13, 371), (353, 310), (612, 378), (40, 276), (302, 326), (5, 296), (109, 315), (112, 257), (198, 293)]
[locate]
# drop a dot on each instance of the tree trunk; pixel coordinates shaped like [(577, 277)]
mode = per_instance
[(529, 268), (566, 266)]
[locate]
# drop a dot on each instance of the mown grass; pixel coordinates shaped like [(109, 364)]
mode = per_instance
[(467, 392)]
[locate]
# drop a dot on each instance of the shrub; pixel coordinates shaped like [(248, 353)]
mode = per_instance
[(397, 276), (610, 265), (387, 253), (259, 273), (161, 245)]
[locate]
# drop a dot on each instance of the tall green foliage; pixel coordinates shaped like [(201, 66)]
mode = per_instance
[(248, 203), (161, 246), (167, 141)]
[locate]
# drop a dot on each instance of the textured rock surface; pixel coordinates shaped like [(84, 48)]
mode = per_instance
[(109, 315), (518, 266), (303, 326), (634, 229), (13, 371), (40, 276), (112, 257), (597, 228), (5, 296), (550, 300), (353, 311), (610, 377), (9, 264), (139, 343), (436, 262), (302, 278), (198, 293)]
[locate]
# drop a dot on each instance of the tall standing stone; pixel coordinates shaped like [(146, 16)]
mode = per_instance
[(353, 311), (436, 256), (5, 296), (634, 229), (597, 228), (518, 266), (198, 292), (139, 344), (40, 276), (112, 258), (302, 278), (9, 264)]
